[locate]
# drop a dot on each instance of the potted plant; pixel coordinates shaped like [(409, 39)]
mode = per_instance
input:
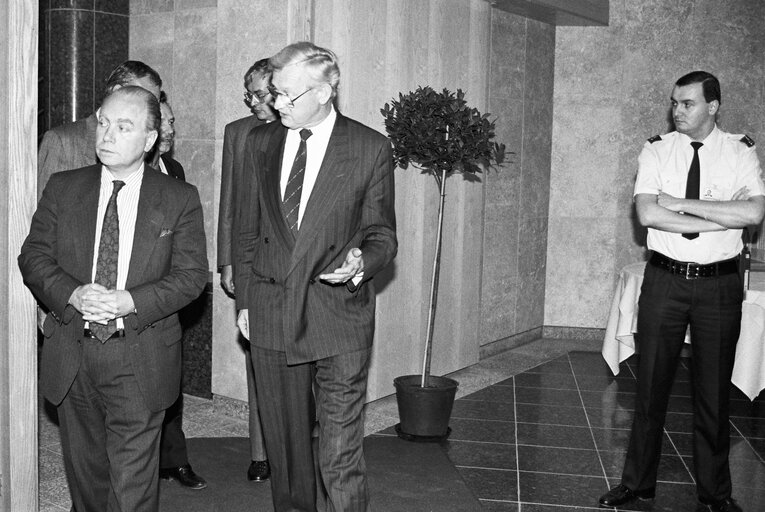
[(441, 135)]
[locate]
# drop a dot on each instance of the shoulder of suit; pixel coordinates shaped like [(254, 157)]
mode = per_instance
[(244, 124), (358, 128)]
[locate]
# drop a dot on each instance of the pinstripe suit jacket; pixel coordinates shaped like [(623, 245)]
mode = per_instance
[(351, 205), (168, 269)]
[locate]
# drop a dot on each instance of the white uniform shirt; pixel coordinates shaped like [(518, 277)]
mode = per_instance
[(726, 164)]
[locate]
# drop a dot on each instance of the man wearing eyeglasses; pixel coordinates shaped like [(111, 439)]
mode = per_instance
[(320, 223), (260, 102)]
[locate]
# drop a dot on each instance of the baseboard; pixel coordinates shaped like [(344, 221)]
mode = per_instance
[(591, 339)]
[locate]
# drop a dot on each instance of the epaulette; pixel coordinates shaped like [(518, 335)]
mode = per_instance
[(655, 138), (746, 139)]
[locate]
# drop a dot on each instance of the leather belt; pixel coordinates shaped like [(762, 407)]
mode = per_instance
[(119, 333), (691, 270)]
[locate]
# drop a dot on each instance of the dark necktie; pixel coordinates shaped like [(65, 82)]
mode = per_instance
[(108, 252), (694, 178), (293, 191)]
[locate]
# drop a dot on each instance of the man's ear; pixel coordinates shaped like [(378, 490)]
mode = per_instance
[(324, 93), (714, 106), (151, 138)]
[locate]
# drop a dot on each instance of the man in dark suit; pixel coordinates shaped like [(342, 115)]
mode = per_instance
[(257, 97), (318, 226), (113, 252), (71, 146)]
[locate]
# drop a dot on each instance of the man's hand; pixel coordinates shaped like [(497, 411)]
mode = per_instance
[(669, 202), (243, 321), (353, 265), (99, 304), (227, 279), (741, 194)]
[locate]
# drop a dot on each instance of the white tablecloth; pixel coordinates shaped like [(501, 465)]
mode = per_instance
[(619, 342)]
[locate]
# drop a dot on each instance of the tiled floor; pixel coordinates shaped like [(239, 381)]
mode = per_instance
[(541, 428)]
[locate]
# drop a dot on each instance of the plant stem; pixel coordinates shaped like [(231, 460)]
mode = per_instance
[(434, 285)]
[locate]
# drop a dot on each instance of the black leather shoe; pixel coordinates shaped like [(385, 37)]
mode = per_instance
[(259, 471), (184, 475), (726, 505), (622, 494)]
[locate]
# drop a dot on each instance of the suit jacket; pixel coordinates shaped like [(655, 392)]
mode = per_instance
[(174, 168), (69, 146), (351, 205), (168, 269), (232, 169)]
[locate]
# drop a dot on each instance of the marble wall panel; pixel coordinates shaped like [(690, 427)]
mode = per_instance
[(151, 6), (113, 6), (197, 157), (194, 75), (152, 37)]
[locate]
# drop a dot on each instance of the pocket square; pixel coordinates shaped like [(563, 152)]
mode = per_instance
[(165, 232)]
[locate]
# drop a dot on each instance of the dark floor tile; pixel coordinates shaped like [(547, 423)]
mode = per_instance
[(670, 497), (750, 427), (482, 455), (561, 415), (751, 500), (759, 446), (569, 461), (610, 418), (611, 439), (538, 434), (608, 399), (545, 380), (603, 382), (547, 396), (482, 430), (747, 409), (560, 365), (740, 448), (671, 467), (533, 507), (744, 473), (500, 506), (589, 365), (552, 489), (503, 394), (491, 484), (474, 409)]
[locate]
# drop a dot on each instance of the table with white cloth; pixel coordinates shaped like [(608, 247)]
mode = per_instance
[(619, 343)]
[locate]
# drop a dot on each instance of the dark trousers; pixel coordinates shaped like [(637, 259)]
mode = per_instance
[(289, 413), (257, 443), (109, 439), (172, 448), (668, 304)]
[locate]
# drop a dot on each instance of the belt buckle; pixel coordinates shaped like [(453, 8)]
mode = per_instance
[(688, 274)]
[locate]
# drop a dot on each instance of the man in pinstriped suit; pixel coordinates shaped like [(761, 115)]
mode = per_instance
[(320, 223)]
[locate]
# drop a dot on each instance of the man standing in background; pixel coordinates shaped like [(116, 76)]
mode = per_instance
[(257, 97)]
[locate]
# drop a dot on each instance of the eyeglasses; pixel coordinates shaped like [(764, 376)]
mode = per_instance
[(290, 101), (256, 97)]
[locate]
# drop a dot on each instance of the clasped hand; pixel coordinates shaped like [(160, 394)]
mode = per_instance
[(99, 304)]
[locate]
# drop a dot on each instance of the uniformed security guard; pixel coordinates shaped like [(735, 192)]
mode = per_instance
[(696, 189)]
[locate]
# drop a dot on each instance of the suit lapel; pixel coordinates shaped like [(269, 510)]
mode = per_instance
[(272, 188), (147, 225), (85, 212), (335, 170)]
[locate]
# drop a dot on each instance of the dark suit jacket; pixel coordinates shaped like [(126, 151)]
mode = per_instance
[(69, 146), (168, 269), (351, 205), (234, 138), (174, 168)]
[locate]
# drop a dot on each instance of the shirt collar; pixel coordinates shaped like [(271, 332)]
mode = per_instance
[(323, 130), (131, 180)]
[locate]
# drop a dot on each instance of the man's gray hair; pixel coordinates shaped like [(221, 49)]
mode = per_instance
[(320, 63)]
